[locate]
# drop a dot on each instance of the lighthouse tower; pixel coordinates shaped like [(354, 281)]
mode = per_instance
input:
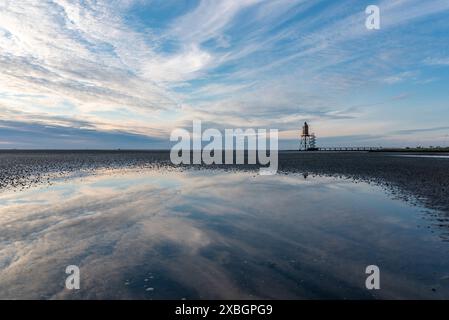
[(308, 140)]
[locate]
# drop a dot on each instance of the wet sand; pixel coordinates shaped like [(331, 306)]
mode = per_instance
[(424, 180)]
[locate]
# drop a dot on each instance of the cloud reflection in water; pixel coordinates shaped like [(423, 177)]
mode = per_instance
[(211, 234)]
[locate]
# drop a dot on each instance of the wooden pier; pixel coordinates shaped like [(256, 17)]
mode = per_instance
[(350, 149)]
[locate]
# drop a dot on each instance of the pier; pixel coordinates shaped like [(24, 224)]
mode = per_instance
[(350, 149)]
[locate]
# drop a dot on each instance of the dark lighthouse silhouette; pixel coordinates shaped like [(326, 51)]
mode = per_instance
[(308, 140)]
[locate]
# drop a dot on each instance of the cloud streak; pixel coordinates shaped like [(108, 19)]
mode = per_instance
[(146, 67)]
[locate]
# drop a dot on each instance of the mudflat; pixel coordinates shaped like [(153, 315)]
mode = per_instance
[(421, 178)]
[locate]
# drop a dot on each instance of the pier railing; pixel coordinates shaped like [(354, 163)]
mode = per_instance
[(350, 149)]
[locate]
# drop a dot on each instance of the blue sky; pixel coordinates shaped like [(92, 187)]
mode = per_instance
[(124, 74)]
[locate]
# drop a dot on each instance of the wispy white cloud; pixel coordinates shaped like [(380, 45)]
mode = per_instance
[(258, 62), (437, 61)]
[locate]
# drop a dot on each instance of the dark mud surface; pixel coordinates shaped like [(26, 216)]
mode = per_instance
[(423, 180)]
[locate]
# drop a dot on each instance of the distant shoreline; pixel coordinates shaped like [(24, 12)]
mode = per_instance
[(427, 150), (404, 150)]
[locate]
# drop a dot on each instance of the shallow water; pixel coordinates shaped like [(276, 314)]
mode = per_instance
[(157, 234)]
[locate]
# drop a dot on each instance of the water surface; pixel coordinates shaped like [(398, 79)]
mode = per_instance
[(202, 234)]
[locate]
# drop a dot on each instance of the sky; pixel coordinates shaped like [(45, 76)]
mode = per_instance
[(99, 74)]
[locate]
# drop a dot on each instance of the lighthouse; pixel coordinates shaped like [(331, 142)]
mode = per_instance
[(308, 140)]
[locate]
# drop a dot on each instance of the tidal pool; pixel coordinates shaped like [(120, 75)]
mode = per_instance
[(204, 234)]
